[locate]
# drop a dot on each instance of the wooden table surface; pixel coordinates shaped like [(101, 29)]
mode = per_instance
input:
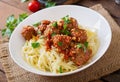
[(110, 5)]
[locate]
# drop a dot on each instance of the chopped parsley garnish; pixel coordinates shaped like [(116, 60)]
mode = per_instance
[(35, 44), (54, 24), (66, 32), (66, 22), (38, 32), (83, 46), (66, 19), (37, 24), (60, 43), (79, 45), (86, 44), (53, 34), (60, 69), (42, 37), (65, 26)]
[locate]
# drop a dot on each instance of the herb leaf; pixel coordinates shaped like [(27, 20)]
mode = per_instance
[(60, 43), (22, 17), (53, 34), (50, 4), (54, 24), (35, 44), (79, 45), (11, 23), (65, 26), (60, 69), (86, 44), (66, 19), (66, 32), (37, 24)]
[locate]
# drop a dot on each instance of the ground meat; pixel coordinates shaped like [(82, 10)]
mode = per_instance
[(73, 23), (79, 35), (60, 23), (45, 22), (50, 30), (79, 57), (62, 42), (48, 44), (28, 32), (43, 25)]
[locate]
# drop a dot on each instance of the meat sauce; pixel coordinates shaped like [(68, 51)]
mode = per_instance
[(66, 36)]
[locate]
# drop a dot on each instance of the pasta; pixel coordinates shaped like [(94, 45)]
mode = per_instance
[(59, 46), (52, 60)]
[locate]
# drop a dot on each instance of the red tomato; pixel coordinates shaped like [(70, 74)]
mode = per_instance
[(34, 6)]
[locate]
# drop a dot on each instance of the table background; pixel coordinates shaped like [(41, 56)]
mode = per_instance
[(110, 5)]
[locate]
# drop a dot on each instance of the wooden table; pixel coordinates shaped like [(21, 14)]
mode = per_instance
[(110, 5)]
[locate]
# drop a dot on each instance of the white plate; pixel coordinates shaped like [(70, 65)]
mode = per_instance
[(84, 16)]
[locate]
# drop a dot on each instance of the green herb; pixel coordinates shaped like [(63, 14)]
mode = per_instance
[(86, 44), (79, 45), (11, 23), (66, 32), (35, 44), (42, 37), (60, 43), (37, 24), (22, 17), (60, 69), (66, 19), (38, 32), (54, 24), (24, 1), (50, 4), (85, 49), (53, 34), (65, 26)]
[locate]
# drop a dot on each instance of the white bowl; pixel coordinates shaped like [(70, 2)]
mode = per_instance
[(84, 16)]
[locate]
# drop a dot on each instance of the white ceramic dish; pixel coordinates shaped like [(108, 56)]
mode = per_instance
[(84, 16)]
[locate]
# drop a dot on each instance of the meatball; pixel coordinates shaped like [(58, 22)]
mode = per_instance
[(61, 42), (79, 57), (48, 44), (43, 25), (51, 29), (28, 32), (70, 23), (73, 23), (79, 35)]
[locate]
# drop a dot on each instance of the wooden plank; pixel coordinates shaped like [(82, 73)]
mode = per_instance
[(18, 4)]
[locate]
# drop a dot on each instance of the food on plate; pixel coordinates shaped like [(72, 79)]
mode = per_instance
[(58, 46)]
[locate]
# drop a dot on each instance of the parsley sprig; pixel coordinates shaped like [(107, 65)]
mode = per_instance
[(11, 23), (35, 44), (66, 19), (60, 69), (37, 24), (60, 43), (84, 46)]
